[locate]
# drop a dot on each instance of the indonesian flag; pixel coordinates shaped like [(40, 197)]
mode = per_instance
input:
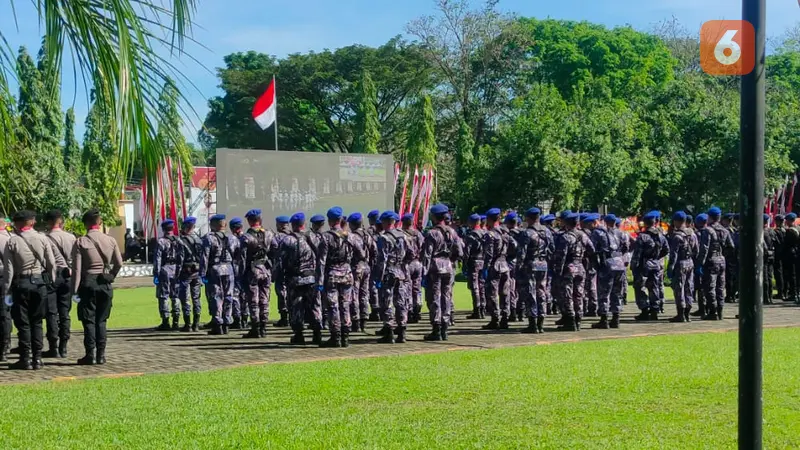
[(403, 194), (265, 110), (414, 190), (790, 203)]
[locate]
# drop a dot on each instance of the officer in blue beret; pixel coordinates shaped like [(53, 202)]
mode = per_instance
[(390, 275), (647, 264), (282, 231), (731, 259), (588, 222), (536, 244), (770, 239), (374, 230), (188, 281), (496, 272), (362, 267), (683, 247), (239, 306), (473, 266), (165, 264), (780, 239), (727, 241), (569, 272), (791, 247), (258, 250), (512, 237), (414, 281), (216, 272), (610, 250), (440, 248), (715, 241)]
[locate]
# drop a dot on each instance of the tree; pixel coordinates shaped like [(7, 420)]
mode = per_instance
[(169, 132), (466, 168), (72, 150), (421, 146), (367, 128), (100, 162)]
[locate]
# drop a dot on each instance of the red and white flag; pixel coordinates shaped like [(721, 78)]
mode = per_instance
[(790, 202), (414, 190), (403, 194), (428, 193), (266, 109), (423, 183)]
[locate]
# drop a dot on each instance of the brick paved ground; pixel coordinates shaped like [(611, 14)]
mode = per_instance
[(136, 352)]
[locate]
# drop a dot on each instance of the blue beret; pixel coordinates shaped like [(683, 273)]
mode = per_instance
[(548, 218), (236, 222), (317, 218), (439, 209), (355, 217), (494, 212), (282, 219), (714, 212), (655, 213), (253, 213), (766, 217), (680, 215), (408, 217), (570, 216), (217, 217), (511, 217), (779, 217), (728, 215), (564, 214), (791, 216), (189, 220), (167, 223), (533, 211), (373, 214), (689, 217), (389, 215), (618, 222), (702, 217), (474, 217), (483, 216), (335, 213), (610, 218), (736, 216), (591, 217), (298, 218)]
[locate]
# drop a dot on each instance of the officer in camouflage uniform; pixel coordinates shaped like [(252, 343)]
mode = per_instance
[(216, 272), (439, 249), (512, 235), (727, 247), (361, 270), (552, 306), (495, 272), (190, 247), (647, 263), (473, 266), (569, 274), (258, 252), (390, 275), (374, 230), (780, 236), (455, 261), (414, 282), (612, 271), (165, 276), (791, 245), (315, 235), (769, 239), (731, 259), (282, 228), (683, 247), (536, 245), (241, 314), (588, 221), (298, 262), (337, 250), (627, 250)]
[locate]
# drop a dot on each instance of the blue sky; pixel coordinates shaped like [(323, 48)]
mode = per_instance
[(281, 28)]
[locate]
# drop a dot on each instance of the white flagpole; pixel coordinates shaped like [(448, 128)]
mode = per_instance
[(275, 102)]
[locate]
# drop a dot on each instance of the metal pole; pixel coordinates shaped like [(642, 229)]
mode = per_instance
[(751, 254), (276, 111)]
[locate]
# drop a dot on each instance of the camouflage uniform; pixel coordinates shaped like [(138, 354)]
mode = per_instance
[(569, 274), (496, 275), (732, 266), (217, 268), (281, 290), (514, 305), (165, 270), (535, 247), (714, 240), (648, 263), (439, 249), (258, 251), (769, 242), (315, 238), (590, 290), (473, 269), (334, 272), (779, 238), (374, 292), (239, 305), (611, 272), (627, 250), (390, 273), (683, 247), (415, 241), (298, 262), (191, 247), (361, 274)]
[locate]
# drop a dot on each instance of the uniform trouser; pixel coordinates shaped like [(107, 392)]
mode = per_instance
[(570, 286), (93, 312), (625, 288), (438, 296), (304, 299), (28, 310), (359, 306), (731, 280), (789, 277), (653, 281), (394, 303), (282, 292), (609, 291), (219, 292), (513, 295), (532, 288), (59, 305), (5, 320), (257, 292), (779, 283), (476, 285), (190, 285), (683, 286), (497, 294), (374, 294), (590, 292), (415, 286), (167, 293), (640, 291), (239, 304), (796, 266), (768, 272), (337, 306), (714, 283)]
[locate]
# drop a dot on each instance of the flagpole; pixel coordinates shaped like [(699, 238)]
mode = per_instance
[(276, 111)]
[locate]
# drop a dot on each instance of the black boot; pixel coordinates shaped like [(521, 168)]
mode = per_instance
[(711, 313), (591, 313), (643, 316), (563, 320), (373, 316), (164, 325), (687, 314), (216, 329), (614, 321), (388, 336), (284, 321), (532, 328), (540, 324), (435, 335), (62, 348), (52, 350), (512, 317), (262, 329), (196, 322), (24, 363), (654, 315), (577, 323), (492, 325), (701, 311), (503, 323), (345, 338), (719, 313), (298, 338), (317, 337), (603, 324), (482, 310), (187, 325), (176, 323), (37, 363), (224, 327), (476, 314), (569, 324), (3, 355), (87, 360), (101, 356), (254, 332), (383, 331), (412, 318), (401, 335), (444, 331), (335, 340), (362, 325), (680, 318)]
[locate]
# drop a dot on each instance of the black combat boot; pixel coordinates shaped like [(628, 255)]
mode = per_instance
[(62, 348), (591, 313), (540, 324), (711, 313), (362, 325), (37, 363), (577, 323), (603, 324), (52, 349), (531, 329), (24, 362), (176, 323), (687, 314), (492, 325), (444, 331), (412, 318), (224, 328), (383, 331), (563, 320), (101, 356), (512, 316), (87, 360), (476, 314), (335, 340), (435, 335), (164, 325), (644, 316), (388, 336), (569, 324), (254, 332), (719, 313), (701, 311), (654, 315), (298, 338), (3, 354), (284, 321), (345, 338), (482, 310), (216, 329), (374, 316), (503, 323), (401, 335), (614, 321), (196, 322), (680, 318), (262, 329), (187, 324), (317, 337)]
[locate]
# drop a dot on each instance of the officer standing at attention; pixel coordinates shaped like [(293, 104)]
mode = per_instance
[(190, 247), (414, 282), (97, 261), (282, 227), (28, 267), (627, 250), (374, 230), (216, 272), (165, 276), (791, 245), (512, 235), (58, 293), (611, 272), (239, 307), (552, 306), (648, 263), (728, 248), (257, 256), (780, 236), (495, 272), (769, 259), (588, 221), (731, 259), (568, 271), (473, 266), (5, 310), (315, 235), (680, 269), (439, 249), (361, 269), (536, 248), (390, 275), (298, 262)]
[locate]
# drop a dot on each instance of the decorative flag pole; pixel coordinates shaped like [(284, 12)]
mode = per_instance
[(265, 111)]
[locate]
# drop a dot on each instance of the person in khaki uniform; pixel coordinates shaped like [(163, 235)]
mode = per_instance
[(5, 311), (58, 298), (97, 261), (28, 267)]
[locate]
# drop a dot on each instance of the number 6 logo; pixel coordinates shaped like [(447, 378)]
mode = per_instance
[(727, 47)]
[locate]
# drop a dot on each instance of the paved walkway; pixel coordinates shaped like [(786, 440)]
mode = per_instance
[(137, 352)]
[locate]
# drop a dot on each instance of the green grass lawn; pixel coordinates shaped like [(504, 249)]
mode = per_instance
[(675, 392)]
